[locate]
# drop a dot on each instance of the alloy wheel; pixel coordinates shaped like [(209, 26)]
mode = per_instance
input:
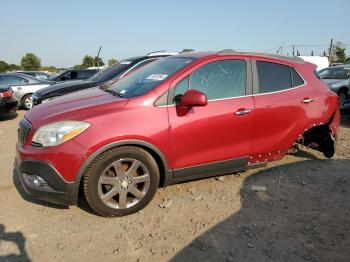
[(28, 102), (123, 183)]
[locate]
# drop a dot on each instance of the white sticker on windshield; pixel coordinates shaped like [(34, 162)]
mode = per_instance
[(125, 62), (157, 77)]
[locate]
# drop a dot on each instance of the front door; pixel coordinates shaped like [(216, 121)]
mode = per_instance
[(218, 134)]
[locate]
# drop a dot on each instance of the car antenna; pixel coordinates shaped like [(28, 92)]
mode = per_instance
[(97, 61)]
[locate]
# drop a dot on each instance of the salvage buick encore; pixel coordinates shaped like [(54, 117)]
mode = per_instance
[(183, 117)]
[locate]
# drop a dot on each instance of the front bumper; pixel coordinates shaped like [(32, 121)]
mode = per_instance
[(36, 99), (52, 187)]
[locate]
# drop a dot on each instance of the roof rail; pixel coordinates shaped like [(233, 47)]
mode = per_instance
[(155, 53), (295, 59)]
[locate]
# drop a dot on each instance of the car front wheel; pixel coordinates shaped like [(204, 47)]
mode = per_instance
[(121, 181)]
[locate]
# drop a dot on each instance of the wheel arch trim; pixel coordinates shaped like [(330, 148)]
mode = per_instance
[(129, 142)]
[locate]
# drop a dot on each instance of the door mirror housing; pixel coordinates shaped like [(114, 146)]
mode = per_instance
[(193, 98), (190, 99)]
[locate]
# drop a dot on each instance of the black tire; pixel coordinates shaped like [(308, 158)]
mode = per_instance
[(94, 171), (343, 95), (24, 104)]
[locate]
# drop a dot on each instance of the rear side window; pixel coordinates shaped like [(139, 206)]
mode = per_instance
[(273, 77), (296, 78), (276, 77), (222, 79)]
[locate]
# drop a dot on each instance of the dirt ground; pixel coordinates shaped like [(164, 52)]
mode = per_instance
[(303, 215)]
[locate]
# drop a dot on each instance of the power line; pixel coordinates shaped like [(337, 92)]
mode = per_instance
[(302, 45)]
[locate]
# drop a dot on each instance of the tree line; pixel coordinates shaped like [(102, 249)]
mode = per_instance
[(31, 62), (338, 53)]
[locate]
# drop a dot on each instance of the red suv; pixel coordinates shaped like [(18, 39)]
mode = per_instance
[(183, 117)]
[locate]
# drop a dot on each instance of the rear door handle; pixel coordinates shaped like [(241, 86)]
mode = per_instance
[(241, 112), (307, 100)]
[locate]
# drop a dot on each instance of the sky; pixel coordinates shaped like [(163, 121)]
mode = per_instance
[(62, 32)]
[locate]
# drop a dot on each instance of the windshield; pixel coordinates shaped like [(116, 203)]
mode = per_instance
[(335, 73), (112, 72), (148, 77)]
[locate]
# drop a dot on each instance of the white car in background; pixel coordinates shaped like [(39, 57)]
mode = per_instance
[(23, 87)]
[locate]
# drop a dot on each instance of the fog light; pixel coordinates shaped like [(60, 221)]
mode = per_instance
[(38, 181), (34, 180)]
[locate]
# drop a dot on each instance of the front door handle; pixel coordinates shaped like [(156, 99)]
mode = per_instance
[(307, 100), (241, 112)]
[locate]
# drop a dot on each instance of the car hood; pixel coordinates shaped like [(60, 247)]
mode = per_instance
[(59, 86), (79, 105)]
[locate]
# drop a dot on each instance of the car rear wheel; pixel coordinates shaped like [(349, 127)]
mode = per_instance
[(121, 181), (27, 102)]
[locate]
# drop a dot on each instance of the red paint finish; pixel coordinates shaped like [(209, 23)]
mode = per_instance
[(211, 133), (261, 127), (280, 117)]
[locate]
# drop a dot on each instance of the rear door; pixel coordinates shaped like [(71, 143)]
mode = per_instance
[(219, 133), (285, 105)]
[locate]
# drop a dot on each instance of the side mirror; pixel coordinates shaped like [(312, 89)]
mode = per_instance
[(193, 98), (190, 99)]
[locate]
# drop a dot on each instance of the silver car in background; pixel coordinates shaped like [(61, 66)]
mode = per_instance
[(337, 79), (23, 87)]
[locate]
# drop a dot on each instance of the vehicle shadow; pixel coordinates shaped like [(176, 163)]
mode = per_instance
[(9, 116), (29, 198), (18, 239), (302, 153), (303, 215), (345, 121)]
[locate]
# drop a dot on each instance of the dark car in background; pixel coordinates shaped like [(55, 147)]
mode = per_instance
[(36, 74), (8, 103), (71, 74), (337, 79), (107, 76)]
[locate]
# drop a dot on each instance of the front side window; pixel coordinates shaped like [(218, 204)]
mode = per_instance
[(66, 76), (218, 80), (148, 77), (276, 77)]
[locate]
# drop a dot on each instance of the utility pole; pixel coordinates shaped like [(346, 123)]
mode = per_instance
[(330, 51)]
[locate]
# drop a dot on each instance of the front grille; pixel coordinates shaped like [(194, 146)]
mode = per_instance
[(23, 130)]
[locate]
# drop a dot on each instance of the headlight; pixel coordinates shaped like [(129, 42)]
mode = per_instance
[(58, 132), (48, 99)]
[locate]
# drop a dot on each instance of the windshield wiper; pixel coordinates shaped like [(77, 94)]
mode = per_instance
[(115, 93)]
